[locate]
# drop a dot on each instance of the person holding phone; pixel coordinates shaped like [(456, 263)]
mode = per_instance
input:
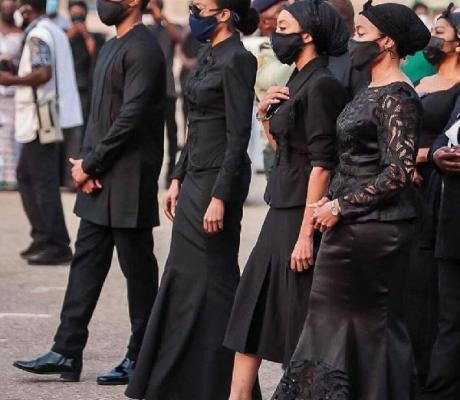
[(299, 120)]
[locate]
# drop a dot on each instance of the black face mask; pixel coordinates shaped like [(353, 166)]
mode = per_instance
[(287, 46), (433, 51), (111, 13), (362, 53), (8, 18), (81, 18)]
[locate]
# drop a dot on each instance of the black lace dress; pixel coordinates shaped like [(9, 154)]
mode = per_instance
[(354, 344)]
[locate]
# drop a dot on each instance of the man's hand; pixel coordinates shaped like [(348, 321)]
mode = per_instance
[(448, 159), (213, 221), (6, 78), (78, 175), (91, 185)]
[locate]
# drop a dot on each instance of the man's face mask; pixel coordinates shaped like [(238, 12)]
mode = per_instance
[(111, 12)]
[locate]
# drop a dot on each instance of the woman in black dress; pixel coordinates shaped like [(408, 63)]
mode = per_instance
[(354, 344), (438, 94), (271, 301), (182, 357)]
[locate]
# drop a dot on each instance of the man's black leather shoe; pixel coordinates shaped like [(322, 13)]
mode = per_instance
[(119, 375), (30, 251), (48, 257), (53, 363)]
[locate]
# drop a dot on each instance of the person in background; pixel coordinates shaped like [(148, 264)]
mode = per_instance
[(85, 48), (417, 67), (84, 51), (168, 35), (10, 52), (46, 101), (354, 344), (443, 381), (438, 94), (117, 178)]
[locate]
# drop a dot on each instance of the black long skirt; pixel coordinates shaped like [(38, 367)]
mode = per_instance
[(182, 357), (354, 345), (271, 301)]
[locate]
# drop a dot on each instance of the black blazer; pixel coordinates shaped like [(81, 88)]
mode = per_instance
[(304, 128), (220, 97), (448, 232), (123, 143)]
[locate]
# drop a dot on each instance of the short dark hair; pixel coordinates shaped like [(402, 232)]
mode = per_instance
[(39, 6), (78, 3)]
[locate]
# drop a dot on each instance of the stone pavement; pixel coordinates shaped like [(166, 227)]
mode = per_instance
[(31, 297)]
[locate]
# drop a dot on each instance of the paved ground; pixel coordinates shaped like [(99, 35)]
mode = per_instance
[(30, 301)]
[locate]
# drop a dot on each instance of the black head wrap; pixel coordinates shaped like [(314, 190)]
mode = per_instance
[(328, 30), (453, 18), (401, 24)]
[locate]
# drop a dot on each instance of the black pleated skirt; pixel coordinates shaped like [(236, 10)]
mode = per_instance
[(271, 301), (182, 357), (354, 345)]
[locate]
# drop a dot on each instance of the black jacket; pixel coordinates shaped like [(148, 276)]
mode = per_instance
[(123, 144), (304, 128), (220, 97), (448, 232)]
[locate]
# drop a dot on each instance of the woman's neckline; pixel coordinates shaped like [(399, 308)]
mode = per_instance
[(424, 93), (391, 84)]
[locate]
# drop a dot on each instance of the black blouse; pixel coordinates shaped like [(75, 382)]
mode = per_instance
[(437, 109), (378, 142), (304, 128), (220, 96)]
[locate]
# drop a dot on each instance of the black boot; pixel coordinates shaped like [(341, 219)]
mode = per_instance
[(119, 375), (53, 363)]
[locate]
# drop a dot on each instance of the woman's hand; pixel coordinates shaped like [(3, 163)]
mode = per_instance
[(302, 255), (274, 95), (323, 219), (170, 199), (417, 179), (213, 221)]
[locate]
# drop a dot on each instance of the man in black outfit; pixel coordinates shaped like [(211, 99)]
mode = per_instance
[(118, 181)]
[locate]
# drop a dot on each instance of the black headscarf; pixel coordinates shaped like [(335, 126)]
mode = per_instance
[(401, 24), (453, 18), (328, 30)]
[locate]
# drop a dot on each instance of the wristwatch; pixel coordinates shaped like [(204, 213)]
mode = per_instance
[(334, 209)]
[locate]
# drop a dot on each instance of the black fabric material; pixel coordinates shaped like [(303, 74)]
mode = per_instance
[(123, 144), (38, 184), (354, 345), (328, 29), (377, 145), (443, 381), (305, 129), (272, 301), (171, 133), (421, 290), (219, 126), (69, 148), (90, 266), (446, 246), (401, 24), (262, 5), (352, 79), (182, 357)]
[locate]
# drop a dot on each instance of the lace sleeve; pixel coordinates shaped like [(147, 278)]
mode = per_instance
[(399, 117)]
